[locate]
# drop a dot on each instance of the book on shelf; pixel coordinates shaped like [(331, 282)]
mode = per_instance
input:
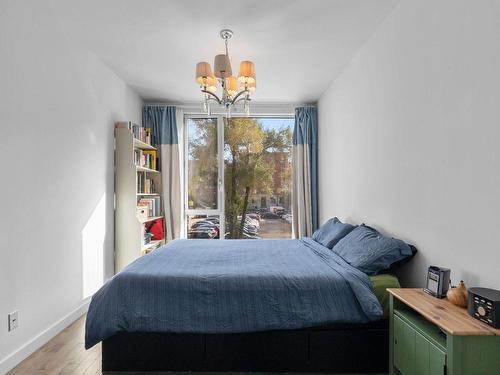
[(146, 158), (145, 185), (139, 132), (153, 205), (147, 239), (151, 157)]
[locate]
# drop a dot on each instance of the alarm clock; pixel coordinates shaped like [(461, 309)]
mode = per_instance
[(484, 305), (438, 281)]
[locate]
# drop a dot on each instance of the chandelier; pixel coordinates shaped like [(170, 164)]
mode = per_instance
[(234, 90)]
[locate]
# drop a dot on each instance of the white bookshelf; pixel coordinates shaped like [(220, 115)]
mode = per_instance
[(142, 145), (144, 169), (153, 244), (149, 219), (129, 229)]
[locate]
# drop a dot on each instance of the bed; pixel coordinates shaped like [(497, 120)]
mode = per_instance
[(241, 305)]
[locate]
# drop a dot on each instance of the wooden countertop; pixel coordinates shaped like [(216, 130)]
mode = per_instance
[(450, 318)]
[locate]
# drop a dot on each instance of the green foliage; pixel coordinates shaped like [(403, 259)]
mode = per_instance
[(246, 171), (203, 166), (278, 140)]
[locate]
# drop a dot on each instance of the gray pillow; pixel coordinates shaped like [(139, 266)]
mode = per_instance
[(369, 251), (331, 232)]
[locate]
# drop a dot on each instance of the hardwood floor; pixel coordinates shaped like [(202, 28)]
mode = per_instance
[(65, 354)]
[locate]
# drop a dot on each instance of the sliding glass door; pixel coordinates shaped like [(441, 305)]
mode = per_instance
[(238, 177)]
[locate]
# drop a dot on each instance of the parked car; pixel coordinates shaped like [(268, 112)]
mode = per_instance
[(201, 223), (204, 223), (250, 229), (206, 233), (209, 227), (213, 219), (270, 215), (250, 221), (254, 216), (250, 236), (278, 210)]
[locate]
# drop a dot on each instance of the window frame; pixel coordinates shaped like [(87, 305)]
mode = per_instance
[(220, 212)]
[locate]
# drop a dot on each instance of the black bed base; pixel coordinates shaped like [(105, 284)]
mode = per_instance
[(342, 348)]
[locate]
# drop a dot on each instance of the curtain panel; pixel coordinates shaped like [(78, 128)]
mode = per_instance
[(305, 172), (165, 122)]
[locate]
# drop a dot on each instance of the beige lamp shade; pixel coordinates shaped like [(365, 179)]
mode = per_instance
[(247, 72), (222, 66), (232, 85), (203, 71)]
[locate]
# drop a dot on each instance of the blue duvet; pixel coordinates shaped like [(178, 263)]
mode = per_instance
[(210, 286)]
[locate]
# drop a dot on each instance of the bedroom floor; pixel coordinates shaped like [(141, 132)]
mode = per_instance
[(65, 355)]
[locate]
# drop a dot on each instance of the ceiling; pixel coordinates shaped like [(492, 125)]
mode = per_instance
[(298, 46)]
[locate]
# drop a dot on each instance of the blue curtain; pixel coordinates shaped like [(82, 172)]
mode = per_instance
[(163, 121), (305, 142)]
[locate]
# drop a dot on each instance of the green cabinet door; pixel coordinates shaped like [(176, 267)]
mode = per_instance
[(437, 361), (422, 355), (429, 360), (404, 347)]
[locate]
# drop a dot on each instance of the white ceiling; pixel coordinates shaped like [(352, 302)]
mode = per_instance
[(298, 46)]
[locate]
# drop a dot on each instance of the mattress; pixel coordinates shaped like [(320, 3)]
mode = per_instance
[(231, 286)]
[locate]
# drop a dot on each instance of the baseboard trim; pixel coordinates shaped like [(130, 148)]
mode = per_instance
[(16, 357)]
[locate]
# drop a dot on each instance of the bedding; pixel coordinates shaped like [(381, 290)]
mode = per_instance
[(380, 283), (229, 286), (331, 232), (371, 252)]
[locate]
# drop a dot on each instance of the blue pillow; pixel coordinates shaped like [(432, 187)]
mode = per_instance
[(369, 251), (331, 232)]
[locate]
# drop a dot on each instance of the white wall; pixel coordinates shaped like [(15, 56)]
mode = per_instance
[(58, 105), (410, 137)]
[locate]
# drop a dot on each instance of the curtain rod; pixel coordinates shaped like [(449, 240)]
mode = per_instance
[(256, 105)]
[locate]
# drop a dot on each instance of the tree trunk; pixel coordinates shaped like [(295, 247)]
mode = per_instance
[(233, 217), (244, 210)]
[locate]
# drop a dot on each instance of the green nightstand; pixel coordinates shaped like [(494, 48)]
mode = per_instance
[(431, 336)]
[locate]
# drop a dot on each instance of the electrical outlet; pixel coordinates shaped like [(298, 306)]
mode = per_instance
[(13, 320)]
